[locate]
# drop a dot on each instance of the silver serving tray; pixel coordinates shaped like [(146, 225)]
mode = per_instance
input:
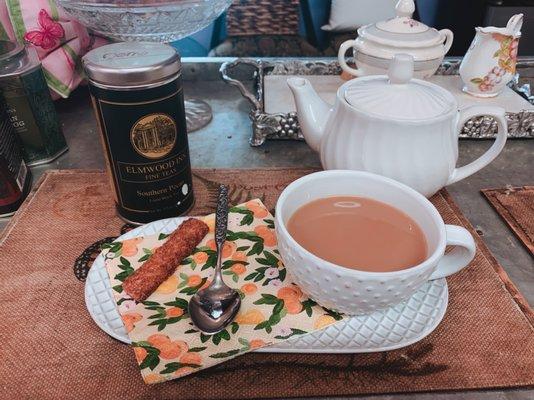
[(285, 126)]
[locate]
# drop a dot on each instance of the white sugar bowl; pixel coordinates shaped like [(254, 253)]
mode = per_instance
[(376, 44)]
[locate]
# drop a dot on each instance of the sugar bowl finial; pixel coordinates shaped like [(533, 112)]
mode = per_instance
[(405, 8)]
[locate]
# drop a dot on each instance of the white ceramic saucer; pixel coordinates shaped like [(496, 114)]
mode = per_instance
[(389, 329)]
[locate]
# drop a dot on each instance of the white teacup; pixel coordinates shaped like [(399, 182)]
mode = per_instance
[(359, 292)]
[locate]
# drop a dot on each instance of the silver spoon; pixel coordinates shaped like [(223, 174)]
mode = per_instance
[(213, 308)]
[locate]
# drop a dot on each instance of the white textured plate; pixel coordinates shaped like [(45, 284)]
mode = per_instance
[(389, 329)]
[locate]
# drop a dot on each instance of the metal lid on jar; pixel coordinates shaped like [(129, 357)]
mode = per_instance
[(131, 64), (398, 96)]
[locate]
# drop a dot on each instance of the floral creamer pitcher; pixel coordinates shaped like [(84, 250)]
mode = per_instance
[(490, 61)]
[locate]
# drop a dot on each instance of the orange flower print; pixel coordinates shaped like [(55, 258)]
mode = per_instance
[(267, 234), (257, 209), (323, 321), (256, 343), (174, 312), (249, 288), (153, 378), (291, 296), (293, 306), (228, 248), (172, 350), (129, 247), (183, 371), (239, 256), (140, 354), (238, 269), (194, 280), (130, 320), (200, 257), (210, 221), (289, 293), (168, 286), (158, 339), (251, 317), (211, 244), (191, 358)]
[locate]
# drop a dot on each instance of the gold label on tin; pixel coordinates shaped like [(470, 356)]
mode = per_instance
[(154, 135)]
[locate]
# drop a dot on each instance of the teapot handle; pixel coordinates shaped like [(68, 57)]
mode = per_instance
[(447, 42), (474, 111), (341, 58)]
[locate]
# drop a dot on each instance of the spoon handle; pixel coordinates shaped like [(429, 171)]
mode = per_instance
[(221, 224), (221, 217)]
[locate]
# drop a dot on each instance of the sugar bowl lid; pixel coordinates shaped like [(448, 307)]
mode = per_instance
[(402, 30), (398, 96)]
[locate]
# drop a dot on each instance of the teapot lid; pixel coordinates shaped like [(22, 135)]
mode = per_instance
[(397, 95), (401, 30)]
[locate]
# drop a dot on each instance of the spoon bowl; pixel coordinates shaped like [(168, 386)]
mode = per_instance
[(212, 309)]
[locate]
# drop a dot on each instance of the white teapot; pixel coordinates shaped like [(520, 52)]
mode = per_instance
[(399, 127)]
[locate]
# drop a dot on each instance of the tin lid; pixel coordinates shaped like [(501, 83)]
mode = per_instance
[(131, 63)]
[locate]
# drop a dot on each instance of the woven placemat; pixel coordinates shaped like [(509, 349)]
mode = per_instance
[(515, 205), (52, 349)]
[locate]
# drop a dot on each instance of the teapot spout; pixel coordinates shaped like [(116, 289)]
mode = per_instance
[(312, 111)]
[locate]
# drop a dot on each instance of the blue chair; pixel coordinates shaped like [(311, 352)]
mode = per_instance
[(199, 44)]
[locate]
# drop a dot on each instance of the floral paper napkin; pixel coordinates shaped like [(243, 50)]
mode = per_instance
[(165, 342)]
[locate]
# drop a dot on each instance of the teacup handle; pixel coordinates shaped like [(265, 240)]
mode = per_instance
[(460, 256), (502, 131), (341, 58)]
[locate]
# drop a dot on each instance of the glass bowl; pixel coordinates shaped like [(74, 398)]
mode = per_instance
[(145, 20)]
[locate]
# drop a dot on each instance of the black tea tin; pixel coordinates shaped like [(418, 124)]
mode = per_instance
[(136, 89)]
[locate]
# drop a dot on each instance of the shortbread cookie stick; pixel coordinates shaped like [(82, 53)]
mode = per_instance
[(165, 259)]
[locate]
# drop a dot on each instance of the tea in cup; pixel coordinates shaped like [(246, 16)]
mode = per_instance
[(356, 242)]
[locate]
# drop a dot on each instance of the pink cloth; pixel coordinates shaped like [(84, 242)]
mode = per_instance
[(60, 41)]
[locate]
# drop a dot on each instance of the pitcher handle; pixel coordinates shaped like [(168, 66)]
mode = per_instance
[(341, 58), (449, 37), (514, 24), (460, 256), (474, 111)]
